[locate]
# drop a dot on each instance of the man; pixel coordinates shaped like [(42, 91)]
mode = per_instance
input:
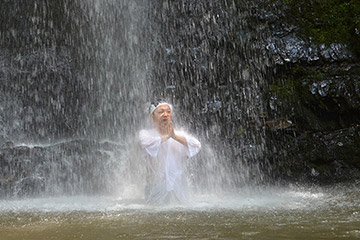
[(166, 152)]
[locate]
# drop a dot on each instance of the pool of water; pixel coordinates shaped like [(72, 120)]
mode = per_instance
[(267, 213)]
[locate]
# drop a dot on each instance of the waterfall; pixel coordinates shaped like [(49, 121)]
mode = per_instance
[(214, 68), (75, 93)]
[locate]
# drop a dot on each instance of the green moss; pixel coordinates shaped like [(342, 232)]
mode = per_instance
[(327, 21), (284, 91), (290, 86), (293, 94), (240, 131)]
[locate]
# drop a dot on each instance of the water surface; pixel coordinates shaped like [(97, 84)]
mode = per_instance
[(271, 213)]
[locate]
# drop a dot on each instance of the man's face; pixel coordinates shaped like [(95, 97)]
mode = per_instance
[(162, 114)]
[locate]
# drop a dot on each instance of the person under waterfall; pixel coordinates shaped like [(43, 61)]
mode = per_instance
[(166, 152)]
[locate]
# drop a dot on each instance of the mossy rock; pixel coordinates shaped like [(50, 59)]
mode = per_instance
[(325, 21), (318, 97)]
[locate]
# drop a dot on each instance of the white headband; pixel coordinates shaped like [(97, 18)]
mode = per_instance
[(153, 107)]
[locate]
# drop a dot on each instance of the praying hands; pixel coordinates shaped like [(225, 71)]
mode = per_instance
[(167, 131)]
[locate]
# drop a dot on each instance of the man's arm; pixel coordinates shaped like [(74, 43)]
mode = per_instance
[(180, 139)]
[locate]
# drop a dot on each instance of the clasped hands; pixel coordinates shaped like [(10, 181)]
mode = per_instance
[(167, 130)]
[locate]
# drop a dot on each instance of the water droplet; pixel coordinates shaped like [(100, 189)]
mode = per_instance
[(314, 172), (313, 88)]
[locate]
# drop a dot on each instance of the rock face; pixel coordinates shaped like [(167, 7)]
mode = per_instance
[(70, 69), (73, 167), (319, 157), (316, 88), (39, 70), (36, 98), (248, 66)]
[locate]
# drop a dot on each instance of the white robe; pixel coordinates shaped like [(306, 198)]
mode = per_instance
[(166, 163)]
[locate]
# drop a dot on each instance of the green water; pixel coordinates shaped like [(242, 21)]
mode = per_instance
[(333, 213)]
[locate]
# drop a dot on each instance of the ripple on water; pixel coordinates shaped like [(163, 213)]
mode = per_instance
[(265, 199), (276, 213)]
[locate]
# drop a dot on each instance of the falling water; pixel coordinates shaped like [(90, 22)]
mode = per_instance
[(76, 77), (72, 108), (85, 97), (213, 68)]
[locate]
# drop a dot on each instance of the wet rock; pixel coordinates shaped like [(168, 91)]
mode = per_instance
[(288, 43), (319, 157), (316, 86), (279, 123), (73, 167), (291, 48)]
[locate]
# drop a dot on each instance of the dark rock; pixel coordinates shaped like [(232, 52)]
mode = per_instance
[(7, 144), (73, 167), (320, 157), (316, 87)]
